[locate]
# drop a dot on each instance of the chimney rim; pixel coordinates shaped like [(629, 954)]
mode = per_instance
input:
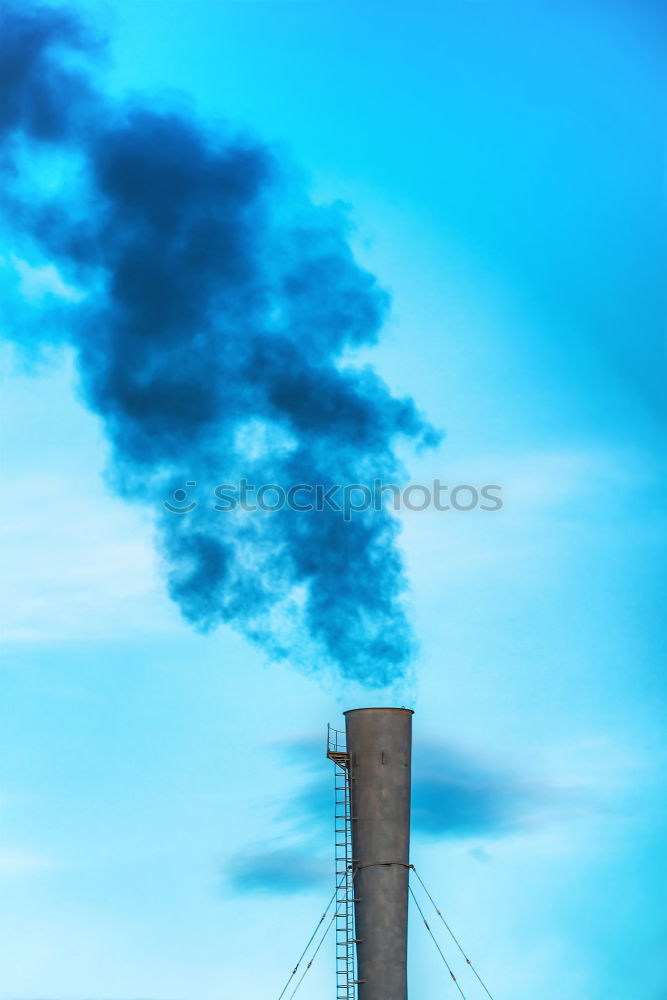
[(389, 708)]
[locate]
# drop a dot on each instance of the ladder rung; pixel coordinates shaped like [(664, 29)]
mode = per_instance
[(344, 939)]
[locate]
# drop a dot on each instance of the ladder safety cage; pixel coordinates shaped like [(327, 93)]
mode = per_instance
[(346, 988)]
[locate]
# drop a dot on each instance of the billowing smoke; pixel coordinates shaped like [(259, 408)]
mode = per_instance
[(213, 309)]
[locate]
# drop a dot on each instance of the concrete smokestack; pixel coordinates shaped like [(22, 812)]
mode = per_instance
[(379, 744)]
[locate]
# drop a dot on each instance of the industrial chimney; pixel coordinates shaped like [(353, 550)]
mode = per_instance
[(379, 745)]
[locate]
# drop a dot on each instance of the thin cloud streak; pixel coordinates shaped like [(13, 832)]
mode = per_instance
[(455, 796)]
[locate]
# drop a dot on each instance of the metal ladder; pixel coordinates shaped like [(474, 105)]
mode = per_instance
[(346, 983)]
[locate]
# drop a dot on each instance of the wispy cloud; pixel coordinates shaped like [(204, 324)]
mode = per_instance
[(75, 563), (19, 861), (282, 871), (455, 795), (297, 858)]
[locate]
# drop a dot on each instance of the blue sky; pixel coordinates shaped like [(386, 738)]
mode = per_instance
[(164, 796)]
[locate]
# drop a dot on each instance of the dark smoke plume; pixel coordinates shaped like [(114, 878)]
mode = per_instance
[(217, 306)]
